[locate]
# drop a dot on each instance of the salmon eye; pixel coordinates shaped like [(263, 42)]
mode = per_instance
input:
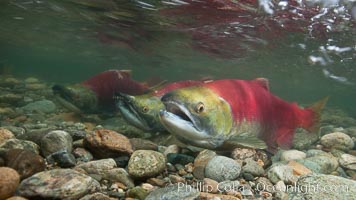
[(199, 107), (145, 109)]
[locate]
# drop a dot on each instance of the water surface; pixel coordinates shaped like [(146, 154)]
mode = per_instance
[(306, 52)]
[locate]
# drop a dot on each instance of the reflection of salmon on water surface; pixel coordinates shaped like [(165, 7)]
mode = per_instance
[(222, 112)]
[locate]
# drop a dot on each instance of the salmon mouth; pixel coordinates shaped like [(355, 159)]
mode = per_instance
[(179, 121), (128, 111)]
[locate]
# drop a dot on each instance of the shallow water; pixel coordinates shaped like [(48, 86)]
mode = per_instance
[(69, 41)]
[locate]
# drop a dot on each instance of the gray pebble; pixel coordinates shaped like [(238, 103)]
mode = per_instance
[(221, 168), (178, 191), (56, 141)]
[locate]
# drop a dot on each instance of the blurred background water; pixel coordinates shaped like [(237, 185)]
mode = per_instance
[(307, 49)]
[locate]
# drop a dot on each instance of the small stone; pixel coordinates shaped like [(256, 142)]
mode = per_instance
[(25, 162), (348, 161), (78, 143), (264, 184), (208, 196), (329, 187), (229, 186), (280, 186), (243, 153), (10, 98), (34, 135), (209, 185), (42, 106), (182, 172), (337, 153), (174, 192), (17, 131), (137, 193), (68, 184), (97, 166), (146, 163), (352, 174), (221, 168), (280, 172), (148, 187), (122, 161), (161, 149), (96, 196), (337, 140), (298, 169), (118, 175), (9, 82), (177, 158), (5, 135), (292, 155), (56, 141), (156, 181), (10, 113), (252, 167), (62, 159), (171, 149), (82, 155), (142, 144), (36, 86), (316, 152), (248, 176), (176, 179), (200, 163), (19, 144), (9, 180), (323, 164), (105, 143), (78, 134), (31, 80)]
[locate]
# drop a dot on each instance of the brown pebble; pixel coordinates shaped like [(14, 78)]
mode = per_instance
[(120, 185), (5, 135), (9, 180), (182, 172), (299, 169), (243, 153), (209, 196), (176, 179), (25, 162), (189, 167), (105, 143), (156, 181), (210, 185), (148, 187), (201, 161)]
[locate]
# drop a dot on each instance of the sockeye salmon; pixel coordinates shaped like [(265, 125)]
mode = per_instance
[(219, 112)]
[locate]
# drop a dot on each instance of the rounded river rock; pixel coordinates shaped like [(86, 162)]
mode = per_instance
[(146, 163)]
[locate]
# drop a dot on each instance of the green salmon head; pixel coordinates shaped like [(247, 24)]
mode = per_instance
[(197, 116), (141, 111)]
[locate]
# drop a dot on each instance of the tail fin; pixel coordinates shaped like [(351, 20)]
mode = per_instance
[(312, 124)]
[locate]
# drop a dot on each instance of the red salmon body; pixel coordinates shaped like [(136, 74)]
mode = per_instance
[(252, 101), (107, 83)]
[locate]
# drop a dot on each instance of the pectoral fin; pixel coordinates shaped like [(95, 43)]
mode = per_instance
[(246, 140)]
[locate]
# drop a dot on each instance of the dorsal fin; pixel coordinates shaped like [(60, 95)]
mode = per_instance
[(263, 82), (126, 71)]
